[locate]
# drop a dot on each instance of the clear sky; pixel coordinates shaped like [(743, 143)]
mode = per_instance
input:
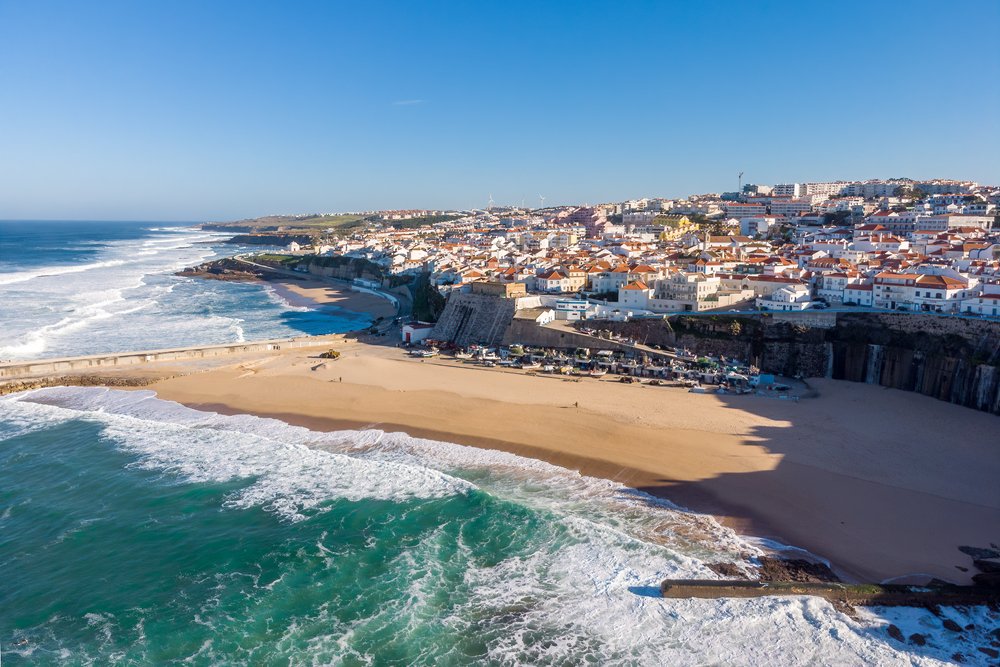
[(206, 110)]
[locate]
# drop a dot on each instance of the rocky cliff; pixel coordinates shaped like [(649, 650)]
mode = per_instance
[(344, 268), (952, 359)]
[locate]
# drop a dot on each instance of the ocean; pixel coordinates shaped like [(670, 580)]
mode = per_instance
[(136, 531), (69, 288)]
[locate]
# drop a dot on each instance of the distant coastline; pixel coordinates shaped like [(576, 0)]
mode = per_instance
[(302, 290)]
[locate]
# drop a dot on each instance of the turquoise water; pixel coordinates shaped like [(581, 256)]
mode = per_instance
[(137, 531), (155, 571)]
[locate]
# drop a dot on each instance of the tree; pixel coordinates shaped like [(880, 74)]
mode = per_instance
[(836, 217), (909, 192)]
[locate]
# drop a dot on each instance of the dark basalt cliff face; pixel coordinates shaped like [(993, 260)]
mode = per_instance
[(952, 359)]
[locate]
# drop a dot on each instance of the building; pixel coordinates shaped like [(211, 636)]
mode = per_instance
[(571, 309), (790, 207), (948, 221), (553, 281), (501, 289), (740, 211), (859, 294), (939, 293), (984, 304), (788, 190), (416, 332), (759, 225), (788, 298), (894, 290), (635, 295)]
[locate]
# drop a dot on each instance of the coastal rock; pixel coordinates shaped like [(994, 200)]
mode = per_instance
[(988, 565), (918, 639), (729, 570), (979, 552), (895, 632), (958, 657), (777, 569), (951, 625), (227, 268), (991, 579), (992, 652)]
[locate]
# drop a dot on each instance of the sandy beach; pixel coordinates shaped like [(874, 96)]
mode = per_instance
[(879, 497), (325, 295)]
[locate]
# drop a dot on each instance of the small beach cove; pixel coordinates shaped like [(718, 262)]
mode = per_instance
[(867, 495)]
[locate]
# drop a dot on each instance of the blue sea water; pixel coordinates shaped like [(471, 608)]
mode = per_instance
[(136, 531), (69, 288)]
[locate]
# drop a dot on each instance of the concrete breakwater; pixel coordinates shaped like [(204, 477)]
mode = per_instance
[(47, 367), (27, 384), (865, 595)]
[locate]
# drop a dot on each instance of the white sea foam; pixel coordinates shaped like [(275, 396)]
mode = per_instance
[(98, 306), (590, 593), (36, 342), (280, 300), (53, 271), (288, 478)]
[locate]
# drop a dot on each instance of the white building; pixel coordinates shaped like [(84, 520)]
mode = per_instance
[(859, 295), (789, 190), (791, 207), (984, 304), (791, 297), (571, 309), (758, 225), (416, 332), (947, 221), (635, 295)]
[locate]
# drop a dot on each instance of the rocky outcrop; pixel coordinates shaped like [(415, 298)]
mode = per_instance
[(343, 268), (952, 359), (227, 268)]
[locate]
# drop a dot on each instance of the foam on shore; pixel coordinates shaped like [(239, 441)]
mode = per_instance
[(584, 591)]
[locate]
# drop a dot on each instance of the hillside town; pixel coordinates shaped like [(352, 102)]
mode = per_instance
[(899, 245)]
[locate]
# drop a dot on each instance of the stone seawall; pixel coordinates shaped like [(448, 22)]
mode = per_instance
[(45, 367), (479, 319)]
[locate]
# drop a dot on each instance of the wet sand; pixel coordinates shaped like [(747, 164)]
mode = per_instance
[(316, 293)]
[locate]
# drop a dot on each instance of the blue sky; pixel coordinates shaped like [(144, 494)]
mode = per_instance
[(217, 110)]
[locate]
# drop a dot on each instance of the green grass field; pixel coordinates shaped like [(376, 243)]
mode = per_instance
[(277, 259), (305, 222)]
